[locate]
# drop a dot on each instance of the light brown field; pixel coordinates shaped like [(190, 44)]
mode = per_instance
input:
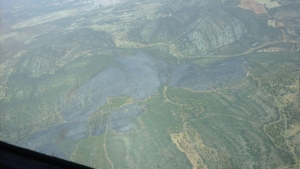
[(269, 3), (253, 5), (44, 18), (185, 145), (272, 49)]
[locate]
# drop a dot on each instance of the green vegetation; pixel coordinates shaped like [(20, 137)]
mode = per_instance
[(151, 146), (207, 60), (217, 96), (249, 122), (33, 103), (115, 103), (91, 152)]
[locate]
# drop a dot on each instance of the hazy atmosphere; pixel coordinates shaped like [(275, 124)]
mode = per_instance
[(153, 84)]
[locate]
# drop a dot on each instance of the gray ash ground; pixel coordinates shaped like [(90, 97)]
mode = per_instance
[(135, 76), (138, 76), (210, 77), (48, 140), (122, 120)]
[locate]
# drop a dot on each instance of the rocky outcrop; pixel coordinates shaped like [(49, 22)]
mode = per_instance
[(211, 33), (195, 27)]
